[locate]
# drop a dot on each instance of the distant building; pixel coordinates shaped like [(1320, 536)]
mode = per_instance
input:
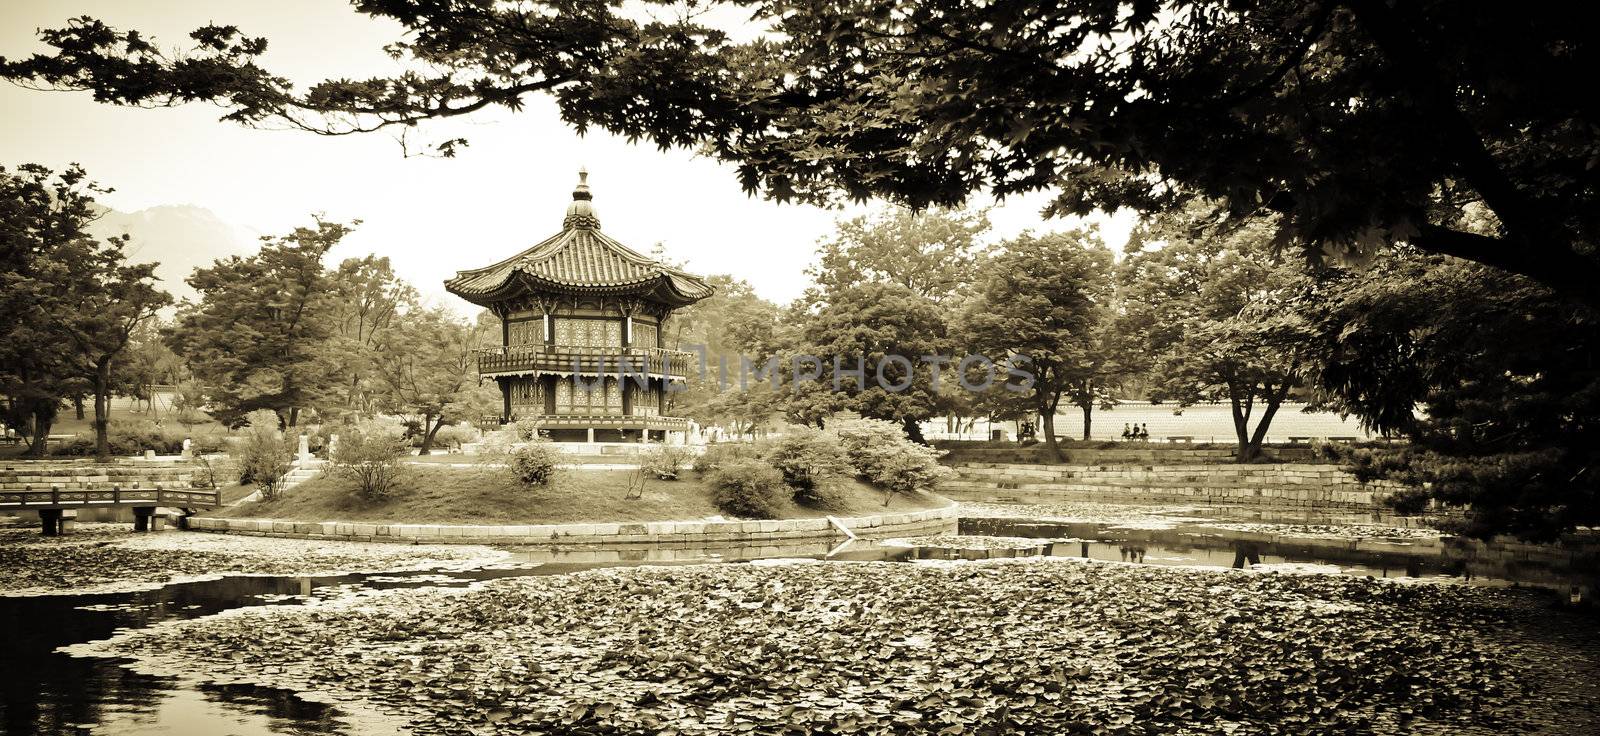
[(575, 311)]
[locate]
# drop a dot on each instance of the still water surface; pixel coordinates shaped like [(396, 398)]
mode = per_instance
[(43, 691)]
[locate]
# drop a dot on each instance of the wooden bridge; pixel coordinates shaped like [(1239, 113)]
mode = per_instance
[(52, 503)]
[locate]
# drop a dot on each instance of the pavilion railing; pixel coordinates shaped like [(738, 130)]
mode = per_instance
[(609, 421), (586, 360)]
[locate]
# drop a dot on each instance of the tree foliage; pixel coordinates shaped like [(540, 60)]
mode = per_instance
[(258, 336), (427, 367), (1492, 378), (1358, 123), (931, 254), (883, 330), (365, 302)]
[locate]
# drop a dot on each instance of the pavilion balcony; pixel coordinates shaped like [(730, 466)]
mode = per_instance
[(605, 421), (567, 359)]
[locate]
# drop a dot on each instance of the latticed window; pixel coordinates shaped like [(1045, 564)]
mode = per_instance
[(644, 335), (526, 392), (526, 332), (646, 401), (588, 333), (588, 396)]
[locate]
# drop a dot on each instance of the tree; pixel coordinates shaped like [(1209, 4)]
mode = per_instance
[(112, 301), (883, 330), (720, 325), (1044, 300), (1218, 314), (258, 337), (365, 297), (932, 254), (1359, 123), (150, 362), (72, 300), (1492, 378), (428, 366)]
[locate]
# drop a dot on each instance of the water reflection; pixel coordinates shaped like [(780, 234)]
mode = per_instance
[(1246, 554), (46, 692), (1571, 572)]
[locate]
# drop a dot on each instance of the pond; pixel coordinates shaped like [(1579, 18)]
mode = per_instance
[(43, 691)]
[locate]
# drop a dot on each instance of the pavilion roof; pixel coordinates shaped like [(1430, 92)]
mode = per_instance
[(579, 259)]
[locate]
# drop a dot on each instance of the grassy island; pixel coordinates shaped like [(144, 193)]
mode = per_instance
[(452, 495)]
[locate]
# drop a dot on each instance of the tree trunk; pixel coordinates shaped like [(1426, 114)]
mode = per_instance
[(77, 406), (294, 417), (1047, 421), (1241, 427), (1088, 421), (41, 434), (102, 409), (913, 430), (430, 428), (1274, 400)]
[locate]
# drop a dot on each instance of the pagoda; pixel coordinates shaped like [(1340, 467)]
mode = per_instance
[(584, 325)]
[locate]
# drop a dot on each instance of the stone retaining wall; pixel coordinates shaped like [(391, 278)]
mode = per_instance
[(1124, 454), (70, 475), (711, 532), (1320, 486)]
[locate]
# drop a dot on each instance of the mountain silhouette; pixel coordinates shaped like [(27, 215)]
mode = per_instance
[(178, 237)]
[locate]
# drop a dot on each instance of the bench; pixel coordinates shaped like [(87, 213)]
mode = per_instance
[(1186, 438), (10, 440), (1344, 440), (1299, 440)]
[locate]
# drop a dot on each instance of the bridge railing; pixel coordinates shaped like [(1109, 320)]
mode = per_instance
[(68, 498)]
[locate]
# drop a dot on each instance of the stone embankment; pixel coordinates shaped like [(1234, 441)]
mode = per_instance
[(896, 524), (88, 475), (1127, 453), (1302, 485)]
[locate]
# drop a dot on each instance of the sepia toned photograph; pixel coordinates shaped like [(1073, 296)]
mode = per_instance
[(744, 367)]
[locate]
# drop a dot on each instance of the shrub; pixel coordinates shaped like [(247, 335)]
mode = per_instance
[(666, 461), (534, 463), (320, 438), (411, 432), (78, 446), (133, 438), (748, 488), (209, 442), (722, 453), (369, 456), (128, 438), (265, 454), (526, 430), (212, 470), (880, 451), (810, 460), (453, 436)]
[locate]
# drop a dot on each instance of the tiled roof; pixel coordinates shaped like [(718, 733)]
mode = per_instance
[(579, 258)]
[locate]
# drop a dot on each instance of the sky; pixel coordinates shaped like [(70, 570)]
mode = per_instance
[(430, 216)]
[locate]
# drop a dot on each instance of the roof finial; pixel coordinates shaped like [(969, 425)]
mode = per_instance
[(582, 191), (580, 214)]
